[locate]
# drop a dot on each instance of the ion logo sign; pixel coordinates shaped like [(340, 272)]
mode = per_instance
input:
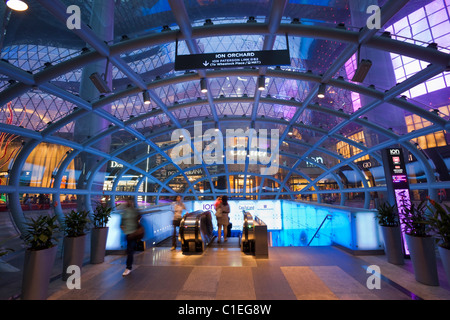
[(394, 152), (208, 206)]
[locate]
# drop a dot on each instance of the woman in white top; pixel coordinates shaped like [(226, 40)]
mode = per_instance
[(222, 221), (177, 207)]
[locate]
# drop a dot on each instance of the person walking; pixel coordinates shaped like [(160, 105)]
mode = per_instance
[(129, 226), (222, 219), (177, 208)]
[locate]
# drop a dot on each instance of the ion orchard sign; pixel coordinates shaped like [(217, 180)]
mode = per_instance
[(232, 59)]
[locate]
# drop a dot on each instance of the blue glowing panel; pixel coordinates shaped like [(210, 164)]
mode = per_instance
[(115, 240), (268, 211), (367, 231)]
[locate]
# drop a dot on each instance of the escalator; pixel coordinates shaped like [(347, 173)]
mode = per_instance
[(196, 231)]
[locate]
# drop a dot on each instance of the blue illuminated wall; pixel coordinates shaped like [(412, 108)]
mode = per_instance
[(267, 210), (289, 223), (353, 228)]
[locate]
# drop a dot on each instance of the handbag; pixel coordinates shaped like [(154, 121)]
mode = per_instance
[(219, 213)]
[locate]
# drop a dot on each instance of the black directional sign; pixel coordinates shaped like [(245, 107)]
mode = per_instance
[(232, 59)]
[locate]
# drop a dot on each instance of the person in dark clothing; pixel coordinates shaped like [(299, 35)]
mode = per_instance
[(129, 225)]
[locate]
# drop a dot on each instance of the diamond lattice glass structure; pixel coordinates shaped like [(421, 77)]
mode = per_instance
[(112, 145)]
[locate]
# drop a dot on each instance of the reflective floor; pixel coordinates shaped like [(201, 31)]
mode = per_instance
[(223, 272)]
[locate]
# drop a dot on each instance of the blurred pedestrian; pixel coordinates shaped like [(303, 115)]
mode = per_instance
[(177, 208), (133, 232)]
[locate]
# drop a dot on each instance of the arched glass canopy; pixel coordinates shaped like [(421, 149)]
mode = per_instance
[(63, 137)]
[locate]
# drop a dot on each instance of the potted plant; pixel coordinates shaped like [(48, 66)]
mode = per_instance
[(39, 257), (388, 220), (99, 233), (75, 226), (440, 223), (421, 243)]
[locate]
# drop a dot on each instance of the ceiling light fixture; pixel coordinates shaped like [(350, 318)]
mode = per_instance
[(99, 83), (146, 97), (203, 86), (17, 5), (261, 83), (363, 68), (322, 89)]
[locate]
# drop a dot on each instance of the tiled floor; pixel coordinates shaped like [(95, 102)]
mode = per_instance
[(225, 273)]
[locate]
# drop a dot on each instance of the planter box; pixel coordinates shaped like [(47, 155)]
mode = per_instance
[(423, 257), (37, 269), (393, 244), (445, 257), (74, 249), (98, 244)]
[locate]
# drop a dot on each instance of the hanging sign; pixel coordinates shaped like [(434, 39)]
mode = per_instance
[(232, 59)]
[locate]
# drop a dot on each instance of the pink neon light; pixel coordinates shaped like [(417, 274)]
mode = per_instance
[(403, 201)]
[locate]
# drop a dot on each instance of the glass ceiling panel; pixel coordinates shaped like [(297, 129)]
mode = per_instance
[(131, 106), (180, 92), (324, 121), (232, 86), (276, 111), (35, 110), (205, 9), (193, 113), (69, 81), (231, 43), (287, 89), (139, 17), (234, 109), (395, 121), (34, 58), (152, 62)]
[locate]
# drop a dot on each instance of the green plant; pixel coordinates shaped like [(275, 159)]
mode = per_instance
[(440, 223), (101, 216), (416, 220), (387, 215), (76, 223), (5, 251), (41, 233)]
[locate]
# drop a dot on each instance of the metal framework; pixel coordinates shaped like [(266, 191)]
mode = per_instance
[(273, 27)]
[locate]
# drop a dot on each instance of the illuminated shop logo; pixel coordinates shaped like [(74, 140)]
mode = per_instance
[(246, 207)]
